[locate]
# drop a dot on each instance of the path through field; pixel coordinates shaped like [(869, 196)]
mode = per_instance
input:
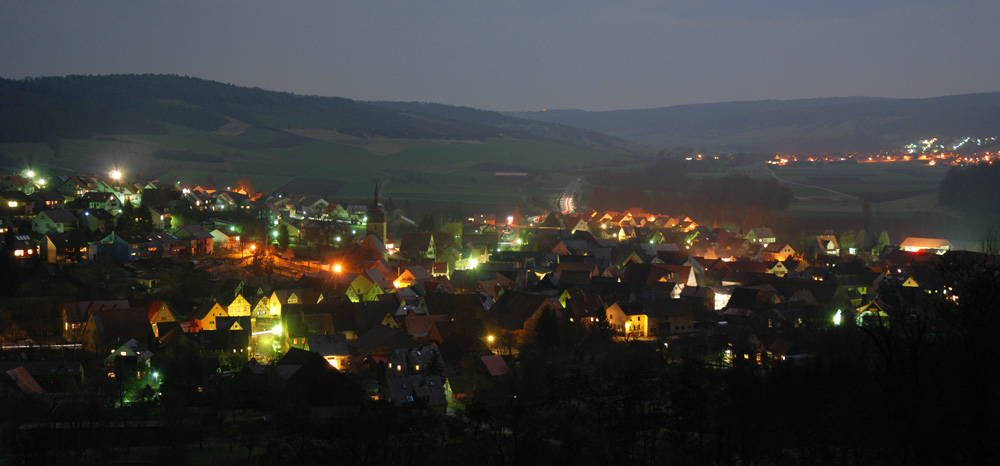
[(775, 175)]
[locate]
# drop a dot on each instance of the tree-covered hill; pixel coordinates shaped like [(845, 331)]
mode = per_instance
[(817, 125), (42, 109)]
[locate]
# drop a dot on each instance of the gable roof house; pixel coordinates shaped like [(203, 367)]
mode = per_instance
[(76, 314), (167, 245), (58, 248), (78, 185), (48, 200), (16, 204), (109, 329), (333, 348), (760, 235), (96, 220), (201, 240), (517, 312), (778, 252), (106, 201), (207, 314), (23, 248), (828, 245), (126, 245), (58, 220)]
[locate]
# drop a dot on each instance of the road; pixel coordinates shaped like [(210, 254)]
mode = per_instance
[(810, 186), (565, 200)]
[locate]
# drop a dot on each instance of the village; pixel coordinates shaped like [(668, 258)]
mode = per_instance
[(163, 295)]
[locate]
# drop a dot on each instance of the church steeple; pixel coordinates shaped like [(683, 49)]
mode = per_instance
[(376, 205), (376, 219)]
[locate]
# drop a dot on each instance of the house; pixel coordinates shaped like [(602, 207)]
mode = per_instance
[(109, 329), (57, 248), (828, 245), (201, 240), (166, 245), (778, 252), (76, 314), (517, 312), (58, 220), (333, 348), (230, 200), (417, 390), (280, 298), (130, 359), (17, 183), (225, 239), (240, 306), (631, 321), (934, 245), (23, 248), (99, 200), (207, 314), (78, 185), (161, 217), (418, 245), (159, 314), (760, 235), (369, 285), (96, 220), (127, 245), (45, 200), (335, 211), (410, 275), (15, 204)]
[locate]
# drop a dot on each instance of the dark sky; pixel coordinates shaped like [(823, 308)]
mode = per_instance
[(523, 54)]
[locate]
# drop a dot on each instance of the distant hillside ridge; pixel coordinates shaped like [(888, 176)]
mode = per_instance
[(836, 124), (43, 109), (518, 127)]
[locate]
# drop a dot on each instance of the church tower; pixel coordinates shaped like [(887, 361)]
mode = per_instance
[(376, 219)]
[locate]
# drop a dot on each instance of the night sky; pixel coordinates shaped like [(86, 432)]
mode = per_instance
[(523, 54)]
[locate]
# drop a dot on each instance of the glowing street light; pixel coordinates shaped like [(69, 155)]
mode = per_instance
[(837, 318), (337, 268), (490, 339), (116, 175), (30, 173)]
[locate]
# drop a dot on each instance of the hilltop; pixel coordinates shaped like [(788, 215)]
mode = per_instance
[(844, 124)]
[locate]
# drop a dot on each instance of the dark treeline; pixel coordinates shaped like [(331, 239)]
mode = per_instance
[(666, 186), (972, 190), (40, 109)]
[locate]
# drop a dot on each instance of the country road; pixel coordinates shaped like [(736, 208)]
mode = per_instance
[(811, 186), (565, 200)]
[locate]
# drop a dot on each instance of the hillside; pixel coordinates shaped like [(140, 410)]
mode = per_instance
[(518, 127), (41, 109), (813, 125), (187, 129)]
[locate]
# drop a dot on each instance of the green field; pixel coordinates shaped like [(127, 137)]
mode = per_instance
[(432, 171)]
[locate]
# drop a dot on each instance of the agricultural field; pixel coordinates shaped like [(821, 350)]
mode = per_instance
[(431, 171)]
